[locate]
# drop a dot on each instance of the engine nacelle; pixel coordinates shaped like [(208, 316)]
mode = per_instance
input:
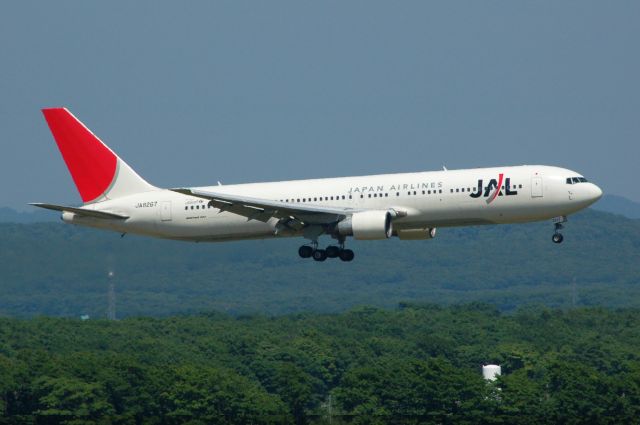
[(367, 225), (416, 234)]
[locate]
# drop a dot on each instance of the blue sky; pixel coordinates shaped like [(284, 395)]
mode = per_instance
[(189, 93)]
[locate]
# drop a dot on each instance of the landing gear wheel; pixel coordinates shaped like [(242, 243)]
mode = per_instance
[(319, 255), (332, 251), (557, 224), (305, 251), (346, 255)]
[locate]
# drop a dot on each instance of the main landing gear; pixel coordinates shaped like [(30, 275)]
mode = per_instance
[(332, 251), (557, 222)]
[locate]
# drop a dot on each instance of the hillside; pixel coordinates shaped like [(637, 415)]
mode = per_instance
[(609, 203), (408, 366), (57, 269), (618, 205), (33, 215)]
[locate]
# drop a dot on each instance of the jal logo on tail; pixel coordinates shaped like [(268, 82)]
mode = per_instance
[(493, 189)]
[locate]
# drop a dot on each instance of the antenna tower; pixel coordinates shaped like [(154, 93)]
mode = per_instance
[(111, 308)]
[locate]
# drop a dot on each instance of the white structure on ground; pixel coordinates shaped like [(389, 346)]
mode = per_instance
[(491, 372)]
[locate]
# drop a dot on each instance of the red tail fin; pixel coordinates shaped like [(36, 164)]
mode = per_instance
[(92, 165), (96, 170)]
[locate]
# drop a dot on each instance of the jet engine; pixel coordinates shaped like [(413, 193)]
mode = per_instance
[(367, 225), (415, 234)]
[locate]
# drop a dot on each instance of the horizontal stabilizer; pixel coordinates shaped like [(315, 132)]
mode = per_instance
[(81, 211)]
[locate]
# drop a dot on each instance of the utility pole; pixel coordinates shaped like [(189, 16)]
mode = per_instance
[(111, 308)]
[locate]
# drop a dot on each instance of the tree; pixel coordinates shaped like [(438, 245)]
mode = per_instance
[(69, 397)]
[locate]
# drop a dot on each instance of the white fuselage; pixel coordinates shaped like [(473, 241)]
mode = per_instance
[(426, 200)]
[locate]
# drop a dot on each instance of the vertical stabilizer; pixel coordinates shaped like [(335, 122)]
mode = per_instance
[(99, 174)]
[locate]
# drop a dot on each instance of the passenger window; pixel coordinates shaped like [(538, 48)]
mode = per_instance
[(386, 195), (397, 193), (350, 197)]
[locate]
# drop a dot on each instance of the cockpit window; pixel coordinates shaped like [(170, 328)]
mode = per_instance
[(574, 180)]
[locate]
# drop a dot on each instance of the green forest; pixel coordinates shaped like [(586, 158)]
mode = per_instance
[(413, 364), (61, 270), (247, 332)]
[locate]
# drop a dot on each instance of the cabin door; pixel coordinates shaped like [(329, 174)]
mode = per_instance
[(536, 187), (165, 211)]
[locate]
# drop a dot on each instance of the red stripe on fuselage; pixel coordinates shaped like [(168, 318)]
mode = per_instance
[(500, 176), (92, 165)]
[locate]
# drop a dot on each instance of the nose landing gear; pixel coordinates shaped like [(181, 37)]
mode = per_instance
[(557, 222), (557, 238)]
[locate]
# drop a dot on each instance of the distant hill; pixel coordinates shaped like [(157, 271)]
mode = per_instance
[(609, 203), (58, 269), (618, 205), (37, 215)]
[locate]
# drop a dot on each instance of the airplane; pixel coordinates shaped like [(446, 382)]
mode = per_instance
[(409, 206)]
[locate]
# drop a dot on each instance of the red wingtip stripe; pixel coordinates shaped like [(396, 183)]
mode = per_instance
[(92, 164)]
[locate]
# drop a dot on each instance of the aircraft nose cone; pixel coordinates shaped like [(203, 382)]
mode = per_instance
[(587, 194), (594, 193)]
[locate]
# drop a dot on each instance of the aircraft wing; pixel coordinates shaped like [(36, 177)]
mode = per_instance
[(81, 211), (264, 209)]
